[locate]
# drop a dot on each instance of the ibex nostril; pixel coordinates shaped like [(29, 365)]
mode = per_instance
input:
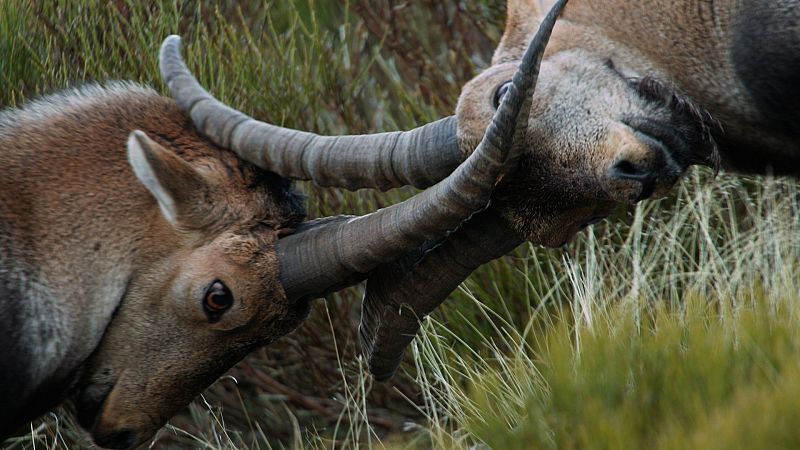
[(627, 170)]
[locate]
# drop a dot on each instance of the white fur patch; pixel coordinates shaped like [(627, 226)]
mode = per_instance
[(71, 100), (145, 173)]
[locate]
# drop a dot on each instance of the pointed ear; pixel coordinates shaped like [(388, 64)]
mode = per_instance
[(176, 185), (522, 21)]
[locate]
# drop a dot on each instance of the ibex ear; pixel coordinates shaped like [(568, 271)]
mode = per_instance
[(175, 184), (522, 21)]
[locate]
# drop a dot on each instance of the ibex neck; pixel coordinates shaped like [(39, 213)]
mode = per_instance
[(71, 214)]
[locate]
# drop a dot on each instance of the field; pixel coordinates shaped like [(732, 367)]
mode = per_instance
[(671, 326)]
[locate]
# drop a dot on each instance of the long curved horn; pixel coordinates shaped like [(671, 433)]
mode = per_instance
[(314, 261), (400, 294), (419, 157)]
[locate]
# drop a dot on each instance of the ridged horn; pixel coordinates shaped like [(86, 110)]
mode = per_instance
[(400, 294), (315, 261), (419, 157)]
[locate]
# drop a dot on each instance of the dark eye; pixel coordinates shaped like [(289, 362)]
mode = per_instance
[(217, 299), (501, 92)]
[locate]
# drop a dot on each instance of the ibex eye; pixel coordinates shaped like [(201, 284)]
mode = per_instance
[(501, 92), (217, 299)]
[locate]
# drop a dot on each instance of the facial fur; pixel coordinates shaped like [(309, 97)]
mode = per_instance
[(162, 346), (129, 253), (589, 120)]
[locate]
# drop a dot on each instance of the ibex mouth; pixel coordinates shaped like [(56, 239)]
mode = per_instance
[(89, 406), (571, 231), (695, 143), (90, 400)]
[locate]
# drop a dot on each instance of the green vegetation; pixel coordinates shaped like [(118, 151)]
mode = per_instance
[(675, 330), (694, 379), (671, 327)]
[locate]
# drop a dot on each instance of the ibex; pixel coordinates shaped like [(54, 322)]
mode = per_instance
[(626, 87), (630, 95), (129, 281)]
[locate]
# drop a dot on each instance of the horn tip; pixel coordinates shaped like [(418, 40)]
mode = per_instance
[(171, 43), (172, 39), (170, 61)]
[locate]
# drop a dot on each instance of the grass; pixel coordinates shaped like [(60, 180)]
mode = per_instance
[(694, 379), (674, 329), (672, 326)]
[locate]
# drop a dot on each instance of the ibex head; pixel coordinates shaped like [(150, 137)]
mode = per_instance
[(205, 291), (598, 134)]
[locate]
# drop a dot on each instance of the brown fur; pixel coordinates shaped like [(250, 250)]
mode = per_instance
[(616, 70), (109, 293)]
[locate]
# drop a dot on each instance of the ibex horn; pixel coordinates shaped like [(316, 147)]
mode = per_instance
[(314, 261), (419, 157), (401, 293)]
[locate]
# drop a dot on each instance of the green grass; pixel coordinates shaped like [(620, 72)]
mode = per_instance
[(672, 326), (696, 378), (674, 329)]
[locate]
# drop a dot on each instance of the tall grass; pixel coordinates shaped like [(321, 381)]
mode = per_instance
[(669, 331), (671, 326)]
